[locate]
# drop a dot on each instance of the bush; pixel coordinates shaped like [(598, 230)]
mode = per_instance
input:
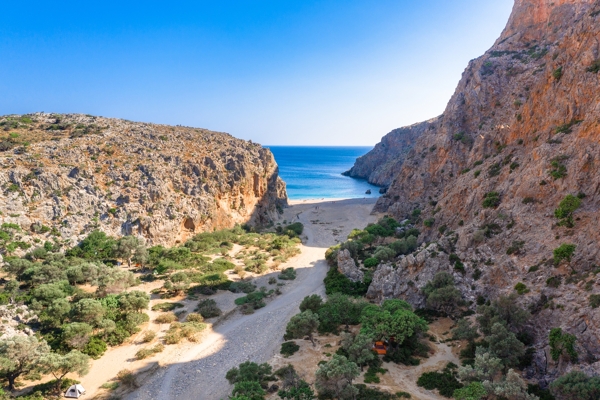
[(491, 200), (289, 348), (288, 274), (576, 385), (371, 262), (566, 208), (194, 317), (313, 303), (557, 73), (242, 287), (594, 300), (173, 336), (445, 382), (149, 352), (562, 344), (294, 229), (554, 281), (208, 308), (95, 348), (521, 288), (429, 222), (127, 378), (254, 299), (515, 247), (148, 336), (336, 282), (166, 306), (564, 252), (558, 170), (166, 318)]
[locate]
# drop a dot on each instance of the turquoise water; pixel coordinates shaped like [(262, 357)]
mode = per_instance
[(316, 172)]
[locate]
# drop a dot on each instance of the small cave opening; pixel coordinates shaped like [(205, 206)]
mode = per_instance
[(188, 223)]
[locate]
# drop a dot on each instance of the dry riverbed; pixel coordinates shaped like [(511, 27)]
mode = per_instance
[(196, 370)]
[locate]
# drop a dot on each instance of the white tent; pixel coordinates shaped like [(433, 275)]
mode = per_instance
[(75, 391)]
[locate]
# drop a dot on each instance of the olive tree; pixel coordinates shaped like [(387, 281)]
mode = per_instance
[(19, 356), (359, 348), (303, 324), (336, 376), (60, 365)]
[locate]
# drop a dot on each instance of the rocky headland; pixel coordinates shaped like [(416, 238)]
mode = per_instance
[(383, 163), (63, 176)]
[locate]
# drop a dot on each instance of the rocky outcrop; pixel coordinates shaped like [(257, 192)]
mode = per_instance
[(347, 266), (380, 165), (519, 134), (66, 175), (15, 319)]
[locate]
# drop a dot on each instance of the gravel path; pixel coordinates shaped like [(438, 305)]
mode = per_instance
[(198, 372)]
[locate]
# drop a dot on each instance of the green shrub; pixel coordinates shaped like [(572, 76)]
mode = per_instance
[(558, 169), (445, 382), (403, 395), (289, 348), (557, 73), (566, 208), (521, 288), (554, 281), (568, 127), (208, 308), (294, 229), (166, 306), (594, 300), (562, 344), (429, 222), (336, 282), (95, 348), (494, 170), (371, 262), (242, 287), (576, 385), (564, 252), (515, 247), (491, 200), (288, 274), (166, 318), (595, 67)]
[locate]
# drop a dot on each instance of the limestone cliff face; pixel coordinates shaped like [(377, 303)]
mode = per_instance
[(524, 122), (383, 163), (166, 183)]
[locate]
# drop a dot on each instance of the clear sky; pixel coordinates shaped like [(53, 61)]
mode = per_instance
[(279, 72)]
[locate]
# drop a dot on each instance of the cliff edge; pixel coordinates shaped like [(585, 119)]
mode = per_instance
[(65, 175)]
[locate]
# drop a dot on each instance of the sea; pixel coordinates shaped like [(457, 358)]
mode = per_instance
[(316, 172)]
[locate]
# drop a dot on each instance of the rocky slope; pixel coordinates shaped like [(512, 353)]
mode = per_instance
[(521, 132), (63, 176), (383, 163)]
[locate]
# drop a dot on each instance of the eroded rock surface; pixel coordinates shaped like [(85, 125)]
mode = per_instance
[(347, 266), (522, 130), (383, 163), (165, 183)]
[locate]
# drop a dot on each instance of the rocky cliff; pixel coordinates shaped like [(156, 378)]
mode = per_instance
[(65, 175), (383, 163), (520, 134)]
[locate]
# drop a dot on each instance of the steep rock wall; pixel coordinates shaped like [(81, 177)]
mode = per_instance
[(380, 165), (524, 122)]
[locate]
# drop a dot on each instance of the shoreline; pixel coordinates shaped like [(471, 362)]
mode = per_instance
[(362, 200)]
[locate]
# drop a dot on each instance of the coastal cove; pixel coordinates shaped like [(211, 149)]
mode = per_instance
[(316, 172)]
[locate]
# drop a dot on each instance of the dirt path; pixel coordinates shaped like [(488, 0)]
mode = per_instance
[(197, 371)]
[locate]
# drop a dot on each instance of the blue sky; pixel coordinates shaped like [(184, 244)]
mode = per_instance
[(279, 72)]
